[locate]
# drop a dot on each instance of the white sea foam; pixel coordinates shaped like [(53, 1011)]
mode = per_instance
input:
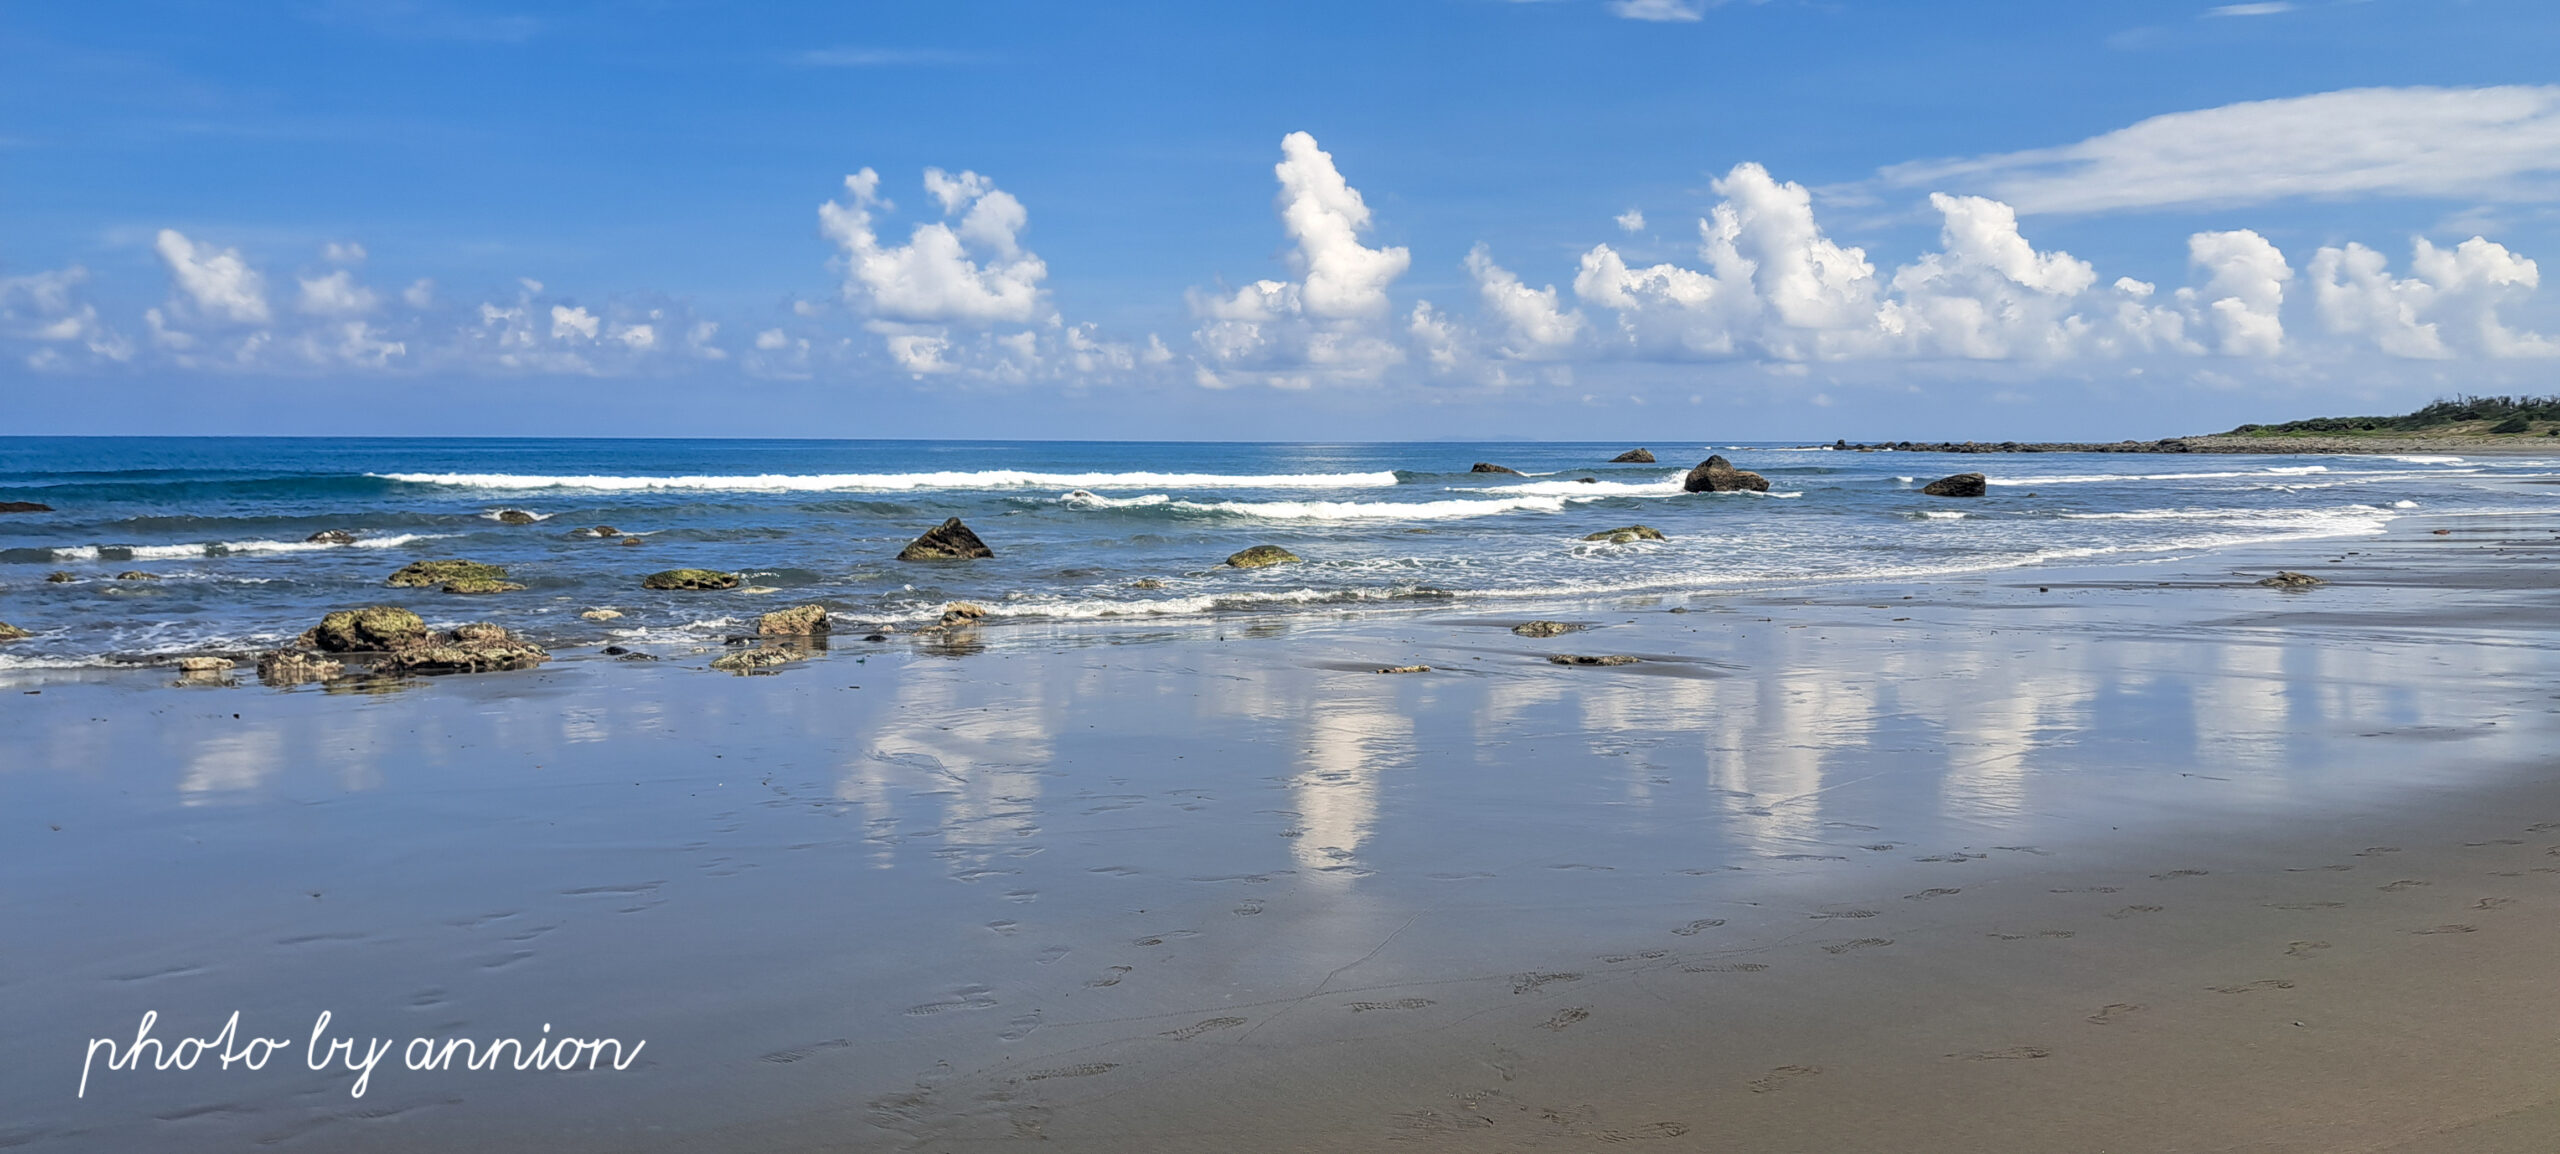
[(1932, 515), (233, 548), (1669, 487), (901, 482), (1081, 499), (1377, 510)]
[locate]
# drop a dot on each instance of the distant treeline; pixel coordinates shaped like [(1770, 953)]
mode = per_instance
[(2511, 413)]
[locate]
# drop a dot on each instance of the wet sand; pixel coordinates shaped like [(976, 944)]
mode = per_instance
[(2139, 857)]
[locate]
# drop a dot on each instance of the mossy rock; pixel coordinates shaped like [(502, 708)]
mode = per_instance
[(372, 629), (1262, 556), (1544, 628), (137, 575), (421, 574), (296, 667), (61, 577), (1600, 659), (797, 621), (1627, 534), (516, 517), (2288, 579), (480, 585), (691, 579), (948, 541), (10, 632), (754, 660)]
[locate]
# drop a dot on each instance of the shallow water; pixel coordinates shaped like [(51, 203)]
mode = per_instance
[(1076, 526)]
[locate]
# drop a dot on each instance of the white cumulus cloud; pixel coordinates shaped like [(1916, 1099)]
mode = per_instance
[(217, 281)]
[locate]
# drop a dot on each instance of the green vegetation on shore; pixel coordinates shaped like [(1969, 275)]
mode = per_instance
[(2459, 416)]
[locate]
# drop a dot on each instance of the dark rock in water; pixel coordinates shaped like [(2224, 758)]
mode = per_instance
[(297, 667), (1586, 480), (754, 660), (1406, 669), (1626, 534), (633, 541), (372, 629), (629, 656), (1603, 659), (2288, 579), (420, 574), (1489, 467), (10, 632), (615, 651), (24, 507), (1633, 457), (205, 671), (948, 541), (1543, 628), (481, 585), (1960, 485), (516, 517), (605, 531), (797, 621), (1717, 475), (61, 577), (137, 575), (691, 579), (961, 615), (331, 537), (1147, 583), (875, 637), (480, 647), (1262, 556)]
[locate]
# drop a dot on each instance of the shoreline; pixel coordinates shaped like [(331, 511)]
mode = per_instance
[(2517, 445)]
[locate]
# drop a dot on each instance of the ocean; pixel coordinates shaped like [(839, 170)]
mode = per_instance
[(1131, 531)]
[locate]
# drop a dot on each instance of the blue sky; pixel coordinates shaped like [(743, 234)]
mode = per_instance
[(1384, 220)]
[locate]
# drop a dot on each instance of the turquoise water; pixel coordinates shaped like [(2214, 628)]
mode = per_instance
[(1077, 527)]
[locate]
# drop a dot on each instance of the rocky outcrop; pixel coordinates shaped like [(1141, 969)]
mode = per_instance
[(1543, 628), (137, 575), (605, 531), (633, 541), (601, 614), (480, 647), (948, 541), (1489, 467), (516, 517), (297, 667), (1633, 457), (1406, 669), (480, 585), (962, 615), (1602, 659), (204, 665), (2164, 445), (1262, 556), (691, 579), (331, 537), (797, 621), (2288, 579), (1717, 475), (10, 632), (24, 507), (61, 577), (754, 660), (1627, 534), (372, 629), (421, 574), (1960, 485)]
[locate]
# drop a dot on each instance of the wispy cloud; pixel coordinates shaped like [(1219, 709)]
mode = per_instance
[(1660, 11), (2269, 8), (857, 57), (2494, 144)]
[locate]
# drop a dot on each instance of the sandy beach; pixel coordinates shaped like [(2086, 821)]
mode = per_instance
[(2143, 857)]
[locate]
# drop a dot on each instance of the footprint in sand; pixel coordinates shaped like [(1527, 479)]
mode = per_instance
[(2304, 949), (2179, 874), (2087, 890), (2306, 905), (2377, 850), (1858, 944), (1646, 956), (1779, 1076), (1566, 1017), (2402, 884), (1250, 907), (1724, 968), (2010, 1054), (968, 998), (2114, 1012), (2450, 929), (1052, 954), (1842, 914), (2253, 987), (1643, 1133), (1933, 892), (1398, 1004), (794, 1054), (1523, 983), (2130, 911), (1086, 1070), (2493, 841), (1020, 1028), (1692, 928), (2542, 827), (1200, 1027), (2492, 903), (1110, 977)]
